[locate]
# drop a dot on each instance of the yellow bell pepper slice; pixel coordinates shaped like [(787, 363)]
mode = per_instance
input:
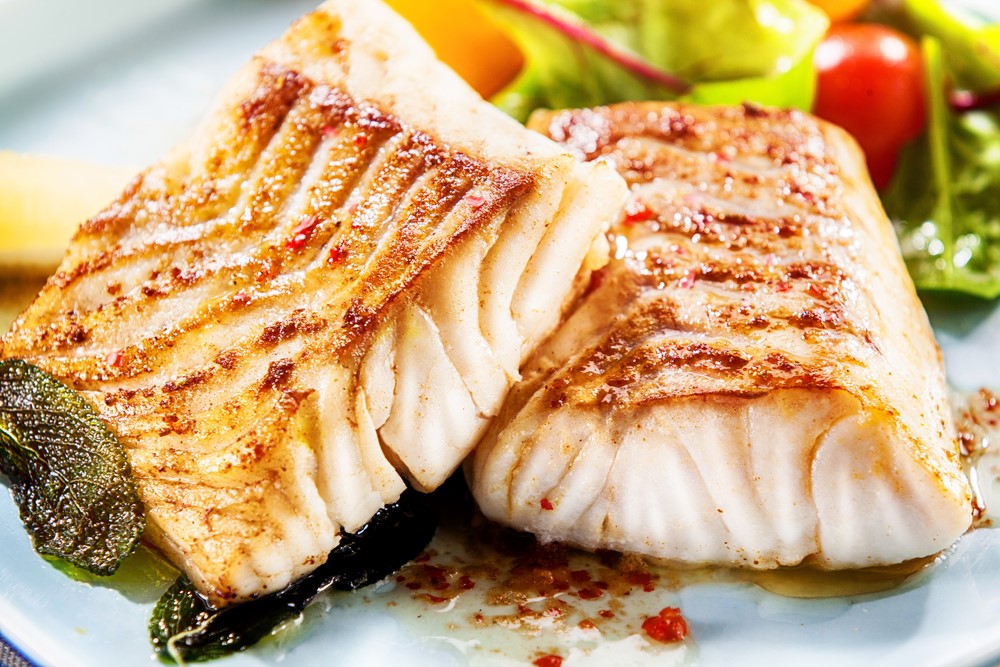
[(465, 39)]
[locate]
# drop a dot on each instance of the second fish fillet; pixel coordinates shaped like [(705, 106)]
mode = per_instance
[(752, 380)]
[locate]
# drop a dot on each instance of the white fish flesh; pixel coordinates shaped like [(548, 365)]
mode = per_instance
[(752, 380)]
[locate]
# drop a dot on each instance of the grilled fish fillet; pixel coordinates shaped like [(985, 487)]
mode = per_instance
[(752, 380), (321, 297)]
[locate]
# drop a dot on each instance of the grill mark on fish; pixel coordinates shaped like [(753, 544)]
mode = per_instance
[(374, 213), (784, 136), (404, 243), (731, 231), (451, 178), (757, 271)]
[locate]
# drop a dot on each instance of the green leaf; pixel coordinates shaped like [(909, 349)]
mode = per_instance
[(184, 628), (69, 474), (592, 52), (945, 198), (794, 88)]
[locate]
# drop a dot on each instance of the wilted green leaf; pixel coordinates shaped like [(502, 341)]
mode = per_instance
[(185, 628), (69, 474)]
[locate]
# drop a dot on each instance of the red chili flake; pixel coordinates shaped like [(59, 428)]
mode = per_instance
[(687, 282), (667, 627), (337, 254), (438, 577), (586, 624), (649, 588), (637, 211), (720, 157), (435, 599), (548, 661), (546, 504), (606, 613), (329, 131), (466, 583), (302, 232), (114, 359), (360, 140), (475, 201), (783, 287), (241, 298), (639, 578), (479, 618), (580, 576), (816, 290), (589, 593)]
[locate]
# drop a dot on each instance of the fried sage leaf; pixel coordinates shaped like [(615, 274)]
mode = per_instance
[(185, 628), (68, 473)]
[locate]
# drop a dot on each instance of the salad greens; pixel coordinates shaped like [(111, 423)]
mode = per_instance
[(971, 44), (945, 197), (590, 52), (69, 474)]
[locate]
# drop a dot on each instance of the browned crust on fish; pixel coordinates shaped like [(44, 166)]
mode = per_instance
[(770, 272)]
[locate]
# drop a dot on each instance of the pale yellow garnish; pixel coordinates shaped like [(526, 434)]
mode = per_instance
[(42, 202)]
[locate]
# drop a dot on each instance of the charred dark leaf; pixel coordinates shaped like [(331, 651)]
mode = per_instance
[(186, 629), (69, 474)]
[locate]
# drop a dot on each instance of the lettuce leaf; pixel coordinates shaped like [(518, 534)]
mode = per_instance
[(591, 52), (945, 198)]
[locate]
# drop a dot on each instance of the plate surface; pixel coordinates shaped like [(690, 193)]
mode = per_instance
[(123, 82)]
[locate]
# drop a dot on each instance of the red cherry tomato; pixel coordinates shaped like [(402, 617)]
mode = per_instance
[(871, 83)]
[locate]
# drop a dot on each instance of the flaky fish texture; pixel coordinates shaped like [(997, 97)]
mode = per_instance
[(752, 380), (321, 297)]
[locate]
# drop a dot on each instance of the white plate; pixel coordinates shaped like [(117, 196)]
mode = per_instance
[(120, 82)]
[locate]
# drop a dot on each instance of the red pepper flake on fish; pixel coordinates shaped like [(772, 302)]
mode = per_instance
[(667, 627)]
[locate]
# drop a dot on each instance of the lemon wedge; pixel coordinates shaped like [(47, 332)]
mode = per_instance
[(43, 200)]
